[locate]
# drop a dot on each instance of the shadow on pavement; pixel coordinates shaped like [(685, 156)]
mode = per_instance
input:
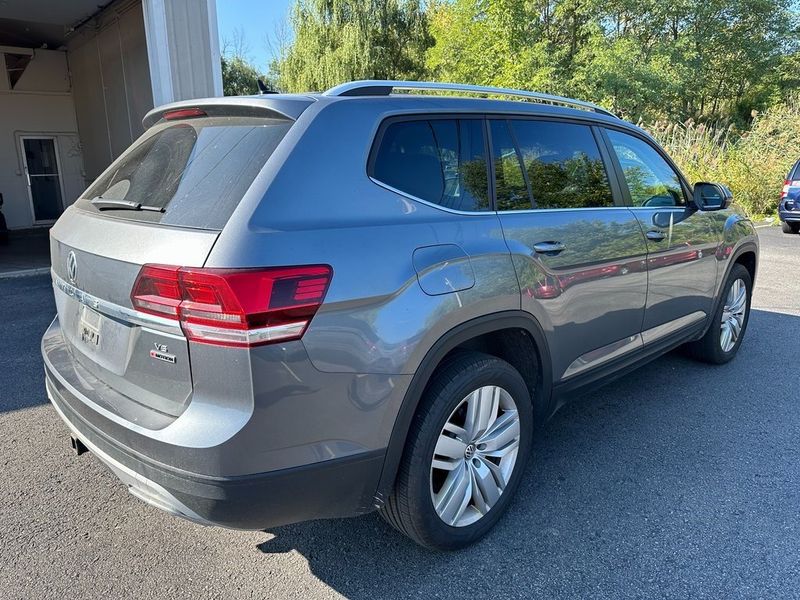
[(26, 311), (25, 250), (679, 479)]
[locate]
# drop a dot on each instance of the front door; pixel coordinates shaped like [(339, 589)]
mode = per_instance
[(579, 255), (681, 240), (43, 175)]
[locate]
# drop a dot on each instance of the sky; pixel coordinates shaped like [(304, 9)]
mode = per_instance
[(254, 19)]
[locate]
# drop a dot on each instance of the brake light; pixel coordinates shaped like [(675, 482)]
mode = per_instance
[(183, 113), (787, 184), (234, 307)]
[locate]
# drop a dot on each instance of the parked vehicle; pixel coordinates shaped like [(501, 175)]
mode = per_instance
[(789, 206), (291, 307)]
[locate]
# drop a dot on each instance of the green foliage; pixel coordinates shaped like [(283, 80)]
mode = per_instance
[(753, 163), (342, 40), (691, 62), (642, 58), (239, 77)]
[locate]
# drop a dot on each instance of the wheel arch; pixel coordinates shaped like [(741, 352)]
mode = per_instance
[(746, 254), (476, 334)]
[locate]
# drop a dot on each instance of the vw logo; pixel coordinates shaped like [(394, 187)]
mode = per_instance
[(72, 266), (469, 452)]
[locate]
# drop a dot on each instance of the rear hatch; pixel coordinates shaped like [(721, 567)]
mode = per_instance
[(164, 201)]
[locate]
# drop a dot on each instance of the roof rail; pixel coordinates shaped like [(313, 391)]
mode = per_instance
[(384, 88)]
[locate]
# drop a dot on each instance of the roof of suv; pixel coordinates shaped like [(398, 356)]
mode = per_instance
[(292, 105)]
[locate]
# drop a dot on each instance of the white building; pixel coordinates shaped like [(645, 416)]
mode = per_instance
[(76, 78)]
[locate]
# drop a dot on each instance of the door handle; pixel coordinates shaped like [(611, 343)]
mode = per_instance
[(655, 235), (549, 248)]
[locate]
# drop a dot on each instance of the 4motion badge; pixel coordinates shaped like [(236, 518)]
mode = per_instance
[(161, 352)]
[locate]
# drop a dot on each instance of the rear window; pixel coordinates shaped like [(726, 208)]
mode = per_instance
[(442, 161), (195, 170)]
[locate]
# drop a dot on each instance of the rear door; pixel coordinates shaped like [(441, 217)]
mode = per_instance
[(163, 201), (681, 240), (579, 255)]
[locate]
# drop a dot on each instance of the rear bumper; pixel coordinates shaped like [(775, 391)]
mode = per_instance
[(335, 488), (789, 216), (244, 469)]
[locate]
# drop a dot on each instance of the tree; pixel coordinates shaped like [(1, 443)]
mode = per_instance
[(239, 77), (706, 59), (341, 40)]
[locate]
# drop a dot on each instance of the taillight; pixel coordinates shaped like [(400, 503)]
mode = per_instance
[(786, 185), (234, 307)]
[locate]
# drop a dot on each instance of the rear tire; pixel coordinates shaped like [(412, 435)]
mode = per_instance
[(716, 346), (789, 227), (482, 404)]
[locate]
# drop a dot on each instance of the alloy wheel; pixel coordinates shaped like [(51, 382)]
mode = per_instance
[(475, 456), (733, 315)]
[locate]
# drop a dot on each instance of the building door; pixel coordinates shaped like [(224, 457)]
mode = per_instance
[(43, 174)]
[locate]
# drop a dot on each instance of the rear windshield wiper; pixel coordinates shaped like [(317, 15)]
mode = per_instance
[(106, 204)]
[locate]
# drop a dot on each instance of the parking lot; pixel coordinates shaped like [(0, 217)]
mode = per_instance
[(679, 480)]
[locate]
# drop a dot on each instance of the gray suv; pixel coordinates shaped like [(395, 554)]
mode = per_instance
[(291, 307)]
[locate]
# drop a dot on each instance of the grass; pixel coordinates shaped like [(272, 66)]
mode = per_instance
[(752, 163)]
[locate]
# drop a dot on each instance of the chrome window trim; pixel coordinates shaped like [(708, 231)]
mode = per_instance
[(427, 202), (488, 212)]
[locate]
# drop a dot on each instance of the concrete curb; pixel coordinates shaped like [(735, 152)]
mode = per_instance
[(24, 273), (768, 222)]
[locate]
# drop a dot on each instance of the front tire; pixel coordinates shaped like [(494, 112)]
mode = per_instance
[(728, 324), (465, 454), (789, 227)]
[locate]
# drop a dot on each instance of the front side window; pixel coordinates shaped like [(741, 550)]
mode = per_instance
[(652, 182), (441, 161), (563, 164)]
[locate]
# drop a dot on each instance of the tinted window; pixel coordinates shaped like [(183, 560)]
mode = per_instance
[(795, 173), (439, 160), (563, 165), (511, 188), (196, 170), (650, 179)]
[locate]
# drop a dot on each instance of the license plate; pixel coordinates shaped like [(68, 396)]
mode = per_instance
[(89, 327)]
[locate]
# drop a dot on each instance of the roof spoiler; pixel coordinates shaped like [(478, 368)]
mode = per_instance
[(274, 107)]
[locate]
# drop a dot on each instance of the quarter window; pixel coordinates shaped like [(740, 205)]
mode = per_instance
[(651, 180), (563, 165), (439, 160)]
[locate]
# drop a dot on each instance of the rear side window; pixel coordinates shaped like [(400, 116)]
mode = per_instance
[(510, 186), (562, 164), (195, 170), (442, 161)]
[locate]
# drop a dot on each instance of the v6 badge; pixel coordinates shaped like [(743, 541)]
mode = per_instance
[(161, 352)]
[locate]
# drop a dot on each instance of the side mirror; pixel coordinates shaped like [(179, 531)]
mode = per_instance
[(711, 196)]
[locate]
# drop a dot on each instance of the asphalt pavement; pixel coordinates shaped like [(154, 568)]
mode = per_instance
[(680, 480)]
